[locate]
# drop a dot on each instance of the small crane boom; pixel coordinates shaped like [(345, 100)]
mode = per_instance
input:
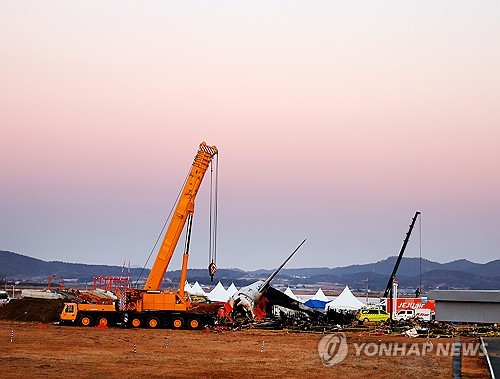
[(398, 261)]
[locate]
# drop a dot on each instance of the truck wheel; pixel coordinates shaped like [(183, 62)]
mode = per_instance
[(194, 323), (85, 320), (177, 323), (136, 322), (103, 320), (366, 320), (153, 322)]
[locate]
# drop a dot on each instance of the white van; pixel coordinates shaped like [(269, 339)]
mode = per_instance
[(4, 297), (422, 314)]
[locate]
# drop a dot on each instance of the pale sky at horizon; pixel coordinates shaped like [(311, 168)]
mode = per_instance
[(335, 122)]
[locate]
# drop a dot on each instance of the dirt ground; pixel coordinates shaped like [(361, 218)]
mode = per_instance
[(46, 350)]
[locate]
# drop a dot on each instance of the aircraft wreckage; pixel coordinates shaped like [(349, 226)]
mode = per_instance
[(250, 302)]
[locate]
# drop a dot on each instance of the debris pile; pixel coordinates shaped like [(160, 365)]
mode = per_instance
[(301, 322), (298, 321), (94, 297), (437, 329), (340, 317)]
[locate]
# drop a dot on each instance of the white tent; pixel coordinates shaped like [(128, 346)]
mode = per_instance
[(187, 287), (345, 300), (232, 290), (218, 293), (197, 290), (291, 295), (319, 295)]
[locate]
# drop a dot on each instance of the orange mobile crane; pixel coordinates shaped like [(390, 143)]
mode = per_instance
[(150, 306)]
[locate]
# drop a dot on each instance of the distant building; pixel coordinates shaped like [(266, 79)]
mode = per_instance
[(467, 306)]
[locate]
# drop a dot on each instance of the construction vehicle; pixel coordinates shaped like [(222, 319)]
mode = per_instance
[(151, 306), (389, 290)]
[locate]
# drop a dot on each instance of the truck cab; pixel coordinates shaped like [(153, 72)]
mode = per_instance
[(69, 312)]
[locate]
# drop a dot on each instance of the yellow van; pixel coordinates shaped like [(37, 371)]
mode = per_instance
[(373, 314)]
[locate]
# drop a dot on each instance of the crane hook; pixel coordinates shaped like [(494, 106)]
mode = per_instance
[(212, 268)]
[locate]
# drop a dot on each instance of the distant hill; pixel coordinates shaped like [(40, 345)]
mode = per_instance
[(22, 267), (457, 274), (408, 267)]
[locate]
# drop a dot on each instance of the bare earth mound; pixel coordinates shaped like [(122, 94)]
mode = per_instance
[(27, 309)]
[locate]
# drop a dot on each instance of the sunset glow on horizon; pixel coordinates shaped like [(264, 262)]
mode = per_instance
[(335, 122)]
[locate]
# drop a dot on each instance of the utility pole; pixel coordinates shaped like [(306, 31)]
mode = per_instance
[(366, 291)]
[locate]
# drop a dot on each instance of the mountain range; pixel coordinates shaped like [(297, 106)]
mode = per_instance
[(412, 272)]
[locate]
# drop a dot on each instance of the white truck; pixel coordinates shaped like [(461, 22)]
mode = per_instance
[(4, 297), (422, 314)]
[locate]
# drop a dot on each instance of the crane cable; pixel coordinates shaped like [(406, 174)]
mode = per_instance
[(420, 251), (212, 243), (162, 230)]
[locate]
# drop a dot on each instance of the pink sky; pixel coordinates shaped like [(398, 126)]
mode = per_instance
[(335, 122)]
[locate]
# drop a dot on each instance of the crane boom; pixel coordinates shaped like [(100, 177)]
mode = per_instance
[(184, 208), (398, 261)]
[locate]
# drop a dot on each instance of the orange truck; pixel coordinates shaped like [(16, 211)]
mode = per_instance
[(151, 306)]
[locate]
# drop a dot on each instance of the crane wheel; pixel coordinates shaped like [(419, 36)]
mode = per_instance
[(103, 321), (194, 323), (85, 320), (153, 322), (136, 322), (177, 323)]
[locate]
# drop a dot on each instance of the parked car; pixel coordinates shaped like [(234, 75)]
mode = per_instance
[(404, 314), (373, 315), (4, 297), (422, 314)]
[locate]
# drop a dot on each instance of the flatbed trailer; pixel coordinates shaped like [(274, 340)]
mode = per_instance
[(108, 315)]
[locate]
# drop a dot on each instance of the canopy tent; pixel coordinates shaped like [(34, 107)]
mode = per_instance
[(218, 293), (315, 304), (319, 295), (187, 287), (291, 295), (232, 290), (197, 290), (345, 300), (318, 301)]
